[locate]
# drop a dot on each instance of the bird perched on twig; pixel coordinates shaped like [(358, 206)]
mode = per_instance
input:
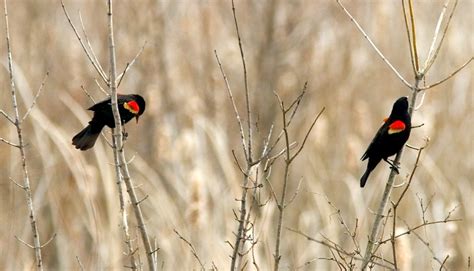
[(130, 106), (389, 139)]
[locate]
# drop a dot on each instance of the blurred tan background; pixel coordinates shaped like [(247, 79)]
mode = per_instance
[(181, 147)]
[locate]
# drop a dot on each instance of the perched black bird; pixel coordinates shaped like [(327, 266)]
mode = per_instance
[(390, 138), (130, 106)]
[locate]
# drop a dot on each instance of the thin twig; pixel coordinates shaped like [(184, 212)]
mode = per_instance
[(129, 65), (96, 65), (407, 27), (297, 103), (101, 88), (193, 250), (444, 262), (80, 263), (49, 241), (247, 94), (21, 147), (307, 134), (435, 36), (448, 77), (36, 97), (17, 184), (24, 243), (422, 225), (7, 117), (340, 250), (432, 57), (9, 143), (413, 34), (88, 94), (293, 197), (373, 45), (236, 111), (102, 72)]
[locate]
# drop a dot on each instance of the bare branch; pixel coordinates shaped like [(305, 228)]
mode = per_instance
[(295, 193), (236, 111), (17, 184), (424, 224), (413, 35), (21, 147), (407, 27), (247, 94), (435, 36), (307, 134), (7, 117), (373, 45), (101, 88), (49, 241), (24, 243), (237, 162), (102, 72), (121, 166), (129, 65), (142, 200), (336, 248), (422, 99), (96, 65), (432, 57), (88, 94), (443, 263), (449, 76), (193, 250), (80, 263), (9, 143), (36, 97), (412, 174)]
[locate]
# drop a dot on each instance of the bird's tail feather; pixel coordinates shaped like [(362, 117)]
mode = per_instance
[(86, 138), (363, 179)]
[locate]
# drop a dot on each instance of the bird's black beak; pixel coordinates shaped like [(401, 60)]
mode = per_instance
[(136, 117)]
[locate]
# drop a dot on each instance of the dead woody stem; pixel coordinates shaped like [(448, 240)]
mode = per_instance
[(17, 121), (119, 152)]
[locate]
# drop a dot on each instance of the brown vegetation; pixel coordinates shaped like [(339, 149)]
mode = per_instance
[(181, 149)]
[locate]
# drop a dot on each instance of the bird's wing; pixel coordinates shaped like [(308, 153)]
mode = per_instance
[(376, 141), (99, 105)]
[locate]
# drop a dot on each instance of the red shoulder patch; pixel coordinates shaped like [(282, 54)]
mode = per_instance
[(133, 105), (396, 127)]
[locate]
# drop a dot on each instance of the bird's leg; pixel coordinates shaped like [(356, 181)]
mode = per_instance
[(124, 133), (392, 165)]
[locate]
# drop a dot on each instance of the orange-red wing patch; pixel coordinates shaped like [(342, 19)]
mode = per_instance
[(132, 106), (396, 127)]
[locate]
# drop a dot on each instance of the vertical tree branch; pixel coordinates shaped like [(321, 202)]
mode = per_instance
[(247, 94), (407, 27), (288, 159), (21, 146), (119, 153), (123, 210), (413, 34), (281, 203)]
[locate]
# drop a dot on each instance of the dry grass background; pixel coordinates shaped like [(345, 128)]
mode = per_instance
[(182, 145)]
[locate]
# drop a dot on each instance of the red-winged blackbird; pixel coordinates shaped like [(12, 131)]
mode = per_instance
[(129, 106), (390, 138)]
